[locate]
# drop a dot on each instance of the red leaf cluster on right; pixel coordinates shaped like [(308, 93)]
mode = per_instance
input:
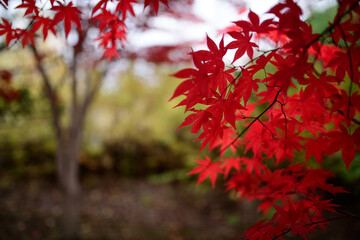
[(284, 105)]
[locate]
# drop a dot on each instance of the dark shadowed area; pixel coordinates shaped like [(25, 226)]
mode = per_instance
[(124, 209)]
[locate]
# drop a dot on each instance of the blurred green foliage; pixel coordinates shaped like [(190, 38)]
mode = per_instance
[(320, 20), (130, 129), (11, 109)]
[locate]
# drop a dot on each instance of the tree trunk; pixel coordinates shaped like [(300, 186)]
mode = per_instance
[(68, 142), (68, 178)]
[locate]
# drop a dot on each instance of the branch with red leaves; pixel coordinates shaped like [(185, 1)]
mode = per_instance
[(303, 109), (319, 222), (64, 14)]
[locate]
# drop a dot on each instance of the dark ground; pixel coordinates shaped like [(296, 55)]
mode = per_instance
[(124, 209), (129, 209)]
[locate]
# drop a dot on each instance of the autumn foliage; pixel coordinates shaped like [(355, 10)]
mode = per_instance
[(47, 17), (289, 96)]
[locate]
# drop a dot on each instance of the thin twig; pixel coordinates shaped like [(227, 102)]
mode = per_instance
[(250, 124), (244, 66), (29, 25), (50, 94), (314, 223), (351, 73), (282, 110), (331, 27)]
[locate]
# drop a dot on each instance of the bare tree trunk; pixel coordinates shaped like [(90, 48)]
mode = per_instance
[(68, 177), (68, 141)]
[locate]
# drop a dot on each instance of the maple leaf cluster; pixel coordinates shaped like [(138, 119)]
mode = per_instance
[(295, 101), (107, 15)]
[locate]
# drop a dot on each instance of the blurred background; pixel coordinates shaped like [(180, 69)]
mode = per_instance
[(133, 159)]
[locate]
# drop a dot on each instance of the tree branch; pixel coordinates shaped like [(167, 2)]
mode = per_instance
[(351, 73), (90, 95), (332, 26), (285, 231), (50, 94), (282, 110), (250, 124), (354, 120), (244, 66), (74, 85)]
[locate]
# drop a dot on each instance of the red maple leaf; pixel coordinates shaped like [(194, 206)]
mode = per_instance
[(287, 8), (321, 87), (289, 68), (107, 19), (212, 132), (45, 23), (292, 217), (263, 230), (207, 169), (242, 44), (345, 104), (101, 4), (227, 140), (225, 108), (30, 6), (318, 205), (340, 62), (69, 14), (261, 63), (155, 4), (229, 164), (254, 24), (217, 53), (246, 86), (253, 164), (198, 119), (197, 84), (6, 29), (342, 140), (125, 6), (26, 37), (111, 53), (316, 147), (326, 54)]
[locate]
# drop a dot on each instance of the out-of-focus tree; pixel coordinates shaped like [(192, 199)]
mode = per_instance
[(74, 44)]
